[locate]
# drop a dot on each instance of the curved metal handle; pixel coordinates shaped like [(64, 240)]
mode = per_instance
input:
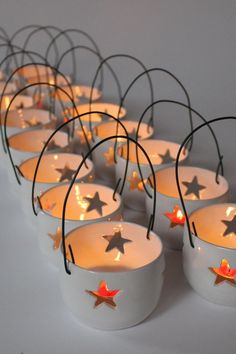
[(127, 56), (72, 50), (151, 219), (66, 34), (188, 137), (220, 164), (6, 115), (72, 120), (54, 70)]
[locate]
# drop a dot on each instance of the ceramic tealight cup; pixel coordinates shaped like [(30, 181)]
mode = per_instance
[(210, 266), (199, 189), (87, 204), (113, 284), (162, 153), (103, 157), (54, 168)]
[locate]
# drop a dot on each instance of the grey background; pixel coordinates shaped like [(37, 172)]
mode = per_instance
[(196, 41)]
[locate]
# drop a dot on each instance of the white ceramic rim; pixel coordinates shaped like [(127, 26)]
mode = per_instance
[(119, 199), (117, 272), (188, 200), (204, 241)]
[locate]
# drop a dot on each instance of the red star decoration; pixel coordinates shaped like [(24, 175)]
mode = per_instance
[(104, 295), (176, 217), (224, 273)]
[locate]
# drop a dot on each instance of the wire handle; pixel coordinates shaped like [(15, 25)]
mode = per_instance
[(188, 137), (127, 56), (220, 166), (72, 120), (66, 33), (72, 50), (151, 220), (45, 146)]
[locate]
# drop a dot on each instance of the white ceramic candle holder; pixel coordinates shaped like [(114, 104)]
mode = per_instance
[(210, 267), (162, 153), (87, 203), (117, 275), (28, 144), (95, 119), (53, 169), (103, 156), (34, 70), (199, 189), (27, 119), (20, 102)]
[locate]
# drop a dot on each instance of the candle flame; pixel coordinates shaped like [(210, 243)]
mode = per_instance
[(78, 91), (229, 210), (179, 215), (117, 258), (7, 102)]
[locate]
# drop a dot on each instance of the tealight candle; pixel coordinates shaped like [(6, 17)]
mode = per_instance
[(103, 157), (78, 93), (162, 153), (116, 274), (54, 168), (26, 119), (210, 267), (28, 144), (98, 118), (199, 189), (34, 70), (18, 103), (87, 203)]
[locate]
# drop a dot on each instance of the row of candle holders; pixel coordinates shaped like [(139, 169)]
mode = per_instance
[(58, 137)]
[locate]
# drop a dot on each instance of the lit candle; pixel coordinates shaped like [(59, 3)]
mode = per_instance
[(115, 267), (199, 189), (87, 203), (210, 266), (54, 168), (104, 154), (162, 153)]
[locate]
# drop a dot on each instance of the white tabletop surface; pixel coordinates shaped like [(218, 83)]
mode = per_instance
[(34, 319)]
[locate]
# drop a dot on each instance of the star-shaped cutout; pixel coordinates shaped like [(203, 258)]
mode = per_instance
[(81, 135), (231, 226), (224, 273), (52, 145), (33, 122), (116, 241), (48, 206), (166, 158), (95, 203), (56, 238), (176, 217), (103, 295), (20, 105), (135, 182), (109, 156), (132, 134), (193, 187), (66, 173)]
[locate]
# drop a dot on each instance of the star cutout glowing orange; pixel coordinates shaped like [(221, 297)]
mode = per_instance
[(56, 238), (135, 182), (104, 295), (224, 273), (176, 217), (81, 135), (109, 156), (48, 206)]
